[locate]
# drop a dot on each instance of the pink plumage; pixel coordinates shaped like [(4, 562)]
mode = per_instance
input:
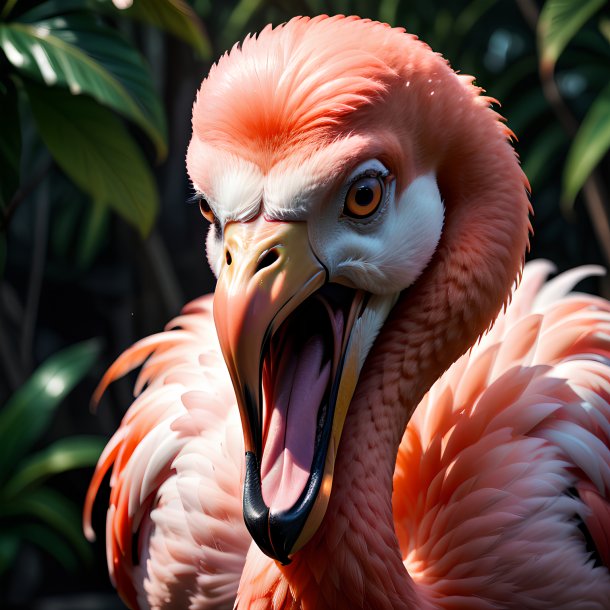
[(501, 479)]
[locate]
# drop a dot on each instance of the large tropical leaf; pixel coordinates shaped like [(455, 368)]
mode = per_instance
[(10, 144), (589, 146), (79, 52), (65, 454), (28, 412), (560, 21), (174, 16), (93, 147)]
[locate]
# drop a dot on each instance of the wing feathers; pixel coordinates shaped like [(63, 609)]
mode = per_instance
[(482, 480), (176, 471)]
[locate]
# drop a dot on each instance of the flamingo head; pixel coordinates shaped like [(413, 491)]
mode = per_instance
[(320, 151)]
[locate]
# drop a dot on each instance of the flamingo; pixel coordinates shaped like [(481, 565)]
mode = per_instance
[(368, 413)]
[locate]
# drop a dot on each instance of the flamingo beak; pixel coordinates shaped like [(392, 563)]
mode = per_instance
[(283, 334)]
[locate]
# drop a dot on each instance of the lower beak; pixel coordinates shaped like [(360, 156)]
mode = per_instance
[(284, 341)]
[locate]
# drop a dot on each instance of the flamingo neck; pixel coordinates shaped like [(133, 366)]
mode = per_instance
[(354, 560)]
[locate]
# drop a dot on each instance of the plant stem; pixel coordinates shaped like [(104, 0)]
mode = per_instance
[(593, 190)]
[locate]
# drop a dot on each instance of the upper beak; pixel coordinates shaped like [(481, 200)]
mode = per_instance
[(269, 270)]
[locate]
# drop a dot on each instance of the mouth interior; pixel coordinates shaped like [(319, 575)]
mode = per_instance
[(300, 365)]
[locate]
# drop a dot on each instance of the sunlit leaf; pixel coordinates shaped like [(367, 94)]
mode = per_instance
[(65, 454), (559, 22), (28, 413), (54, 510), (10, 144), (589, 146), (95, 150), (86, 56), (175, 17)]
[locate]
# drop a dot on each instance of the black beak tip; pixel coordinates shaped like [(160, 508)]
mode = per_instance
[(274, 533)]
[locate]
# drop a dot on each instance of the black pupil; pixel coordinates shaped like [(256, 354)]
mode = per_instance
[(364, 195)]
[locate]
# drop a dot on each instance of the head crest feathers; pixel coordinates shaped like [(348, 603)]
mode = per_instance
[(293, 83)]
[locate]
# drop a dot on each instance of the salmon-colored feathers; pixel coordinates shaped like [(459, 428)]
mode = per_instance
[(506, 451)]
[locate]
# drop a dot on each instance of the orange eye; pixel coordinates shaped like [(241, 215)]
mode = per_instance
[(206, 211), (363, 197)]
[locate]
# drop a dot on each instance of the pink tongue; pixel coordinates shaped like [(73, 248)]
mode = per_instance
[(295, 398)]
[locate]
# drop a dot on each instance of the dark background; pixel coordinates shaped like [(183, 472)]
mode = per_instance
[(64, 283)]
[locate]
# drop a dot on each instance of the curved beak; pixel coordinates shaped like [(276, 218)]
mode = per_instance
[(285, 336)]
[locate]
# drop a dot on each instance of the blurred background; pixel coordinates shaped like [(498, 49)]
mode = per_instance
[(99, 247)]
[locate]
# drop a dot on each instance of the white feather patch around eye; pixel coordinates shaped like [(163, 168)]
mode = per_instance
[(214, 250), (238, 191), (385, 253)]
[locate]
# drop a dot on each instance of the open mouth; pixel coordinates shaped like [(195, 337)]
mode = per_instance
[(301, 369)]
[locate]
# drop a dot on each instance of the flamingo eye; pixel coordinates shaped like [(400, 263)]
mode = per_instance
[(363, 197), (206, 210)]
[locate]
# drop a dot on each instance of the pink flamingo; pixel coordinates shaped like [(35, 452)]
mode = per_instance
[(369, 220)]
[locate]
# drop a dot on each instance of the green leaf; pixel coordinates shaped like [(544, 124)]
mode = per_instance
[(589, 146), (175, 17), (541, 157), (238, 20), (94, 234), (57, 8), (531, 106), (47, 540), (28, 413), (559, 22), (54, 510), (93, 147), (10, 144), (604, 28), (467, 20), (78, 52), (65, 454), (9, 545), (509, 82), (387, 11)]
